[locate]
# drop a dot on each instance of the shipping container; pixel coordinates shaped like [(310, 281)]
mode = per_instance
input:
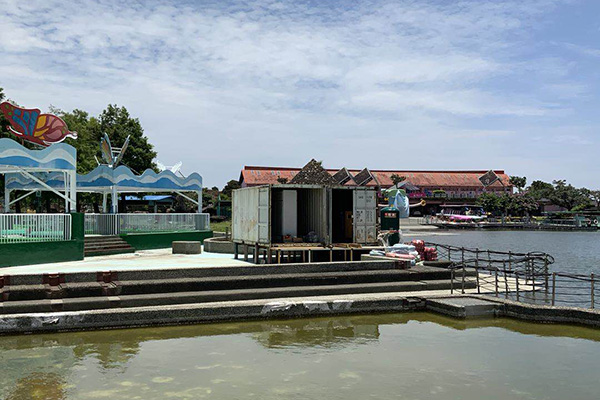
[(273, 214)]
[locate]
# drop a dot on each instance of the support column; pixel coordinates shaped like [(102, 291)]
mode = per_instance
[(114, 201), (73, 194), (6, 200), (104, 202), (67, 179), (200, 201)]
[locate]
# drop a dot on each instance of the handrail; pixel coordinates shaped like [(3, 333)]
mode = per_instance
[(534, 287)]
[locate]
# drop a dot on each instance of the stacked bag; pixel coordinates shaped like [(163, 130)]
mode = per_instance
[(406, 252), (413, 252), (425, 253)]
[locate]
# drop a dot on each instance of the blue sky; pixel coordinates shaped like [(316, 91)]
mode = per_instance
[(385, 84)]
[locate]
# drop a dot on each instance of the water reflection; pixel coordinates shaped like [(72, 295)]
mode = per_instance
[(200, 359), (113, 348), (326, 333)]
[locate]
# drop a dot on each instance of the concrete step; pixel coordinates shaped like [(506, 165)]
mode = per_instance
[(108, 252), (100, 239), (108, 247), (105, 245), (100, 245), (160, 284), (195, 297)]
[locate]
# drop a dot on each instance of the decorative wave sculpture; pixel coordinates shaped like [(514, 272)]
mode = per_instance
[(57, 157), (16, 181), (125, 179), (103, 178)]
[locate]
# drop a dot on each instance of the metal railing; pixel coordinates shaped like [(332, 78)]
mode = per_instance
[(553, 289), (101, 224), (114, 224), (523, 277), (24, 228), (535, 261)]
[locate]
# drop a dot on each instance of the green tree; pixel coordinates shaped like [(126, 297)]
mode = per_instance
[(540, 190), (118, 124), (520, 204), (86, 143), (595, 196), (519, 182), (229, 187), (490, 203), (567, 196)]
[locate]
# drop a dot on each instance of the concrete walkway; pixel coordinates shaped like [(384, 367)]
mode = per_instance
[(145, 259)]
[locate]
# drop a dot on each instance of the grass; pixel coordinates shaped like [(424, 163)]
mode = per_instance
[(220, 226)]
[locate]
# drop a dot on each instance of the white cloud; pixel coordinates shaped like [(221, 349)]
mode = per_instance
[(270, 79)]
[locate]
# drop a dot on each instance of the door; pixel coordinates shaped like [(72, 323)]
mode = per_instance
[(264, 215), (365, 216)]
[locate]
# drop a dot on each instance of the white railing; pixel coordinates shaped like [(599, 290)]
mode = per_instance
[(24, 228), (114, 224), (101, 224)]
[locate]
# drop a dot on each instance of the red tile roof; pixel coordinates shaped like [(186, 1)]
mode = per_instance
[(254, 175)]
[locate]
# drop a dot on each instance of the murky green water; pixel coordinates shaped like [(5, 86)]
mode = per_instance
[(408, 356)]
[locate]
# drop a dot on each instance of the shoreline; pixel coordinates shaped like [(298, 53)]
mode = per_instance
[(465, 306)]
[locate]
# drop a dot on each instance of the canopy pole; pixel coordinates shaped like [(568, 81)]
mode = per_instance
[(114, 201), (104, 202), (36, 179), (22, 197), (6, 198), (66, 178), (73, 189), (197, 202)]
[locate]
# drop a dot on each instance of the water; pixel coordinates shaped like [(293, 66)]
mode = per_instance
[(403, 356), (574, 252)]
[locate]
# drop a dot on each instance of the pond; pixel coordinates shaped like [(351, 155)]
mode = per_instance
[(404, 356)]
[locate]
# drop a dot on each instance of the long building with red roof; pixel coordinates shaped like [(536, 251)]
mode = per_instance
[(463, 184)]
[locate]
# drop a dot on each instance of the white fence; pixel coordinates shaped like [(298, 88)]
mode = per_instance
[(114, 224), (24, 228)]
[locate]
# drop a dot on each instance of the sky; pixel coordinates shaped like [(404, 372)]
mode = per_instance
[(401, 85)]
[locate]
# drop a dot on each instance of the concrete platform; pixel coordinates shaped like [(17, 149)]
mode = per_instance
[(187, 247), (145, 259), (463, 307)]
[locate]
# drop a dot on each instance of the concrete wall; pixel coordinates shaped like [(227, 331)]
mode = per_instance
[(162, 240), (14, 254)]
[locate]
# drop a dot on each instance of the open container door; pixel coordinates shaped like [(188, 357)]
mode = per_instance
[(264, 215), (365, 216), (251, 214)]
